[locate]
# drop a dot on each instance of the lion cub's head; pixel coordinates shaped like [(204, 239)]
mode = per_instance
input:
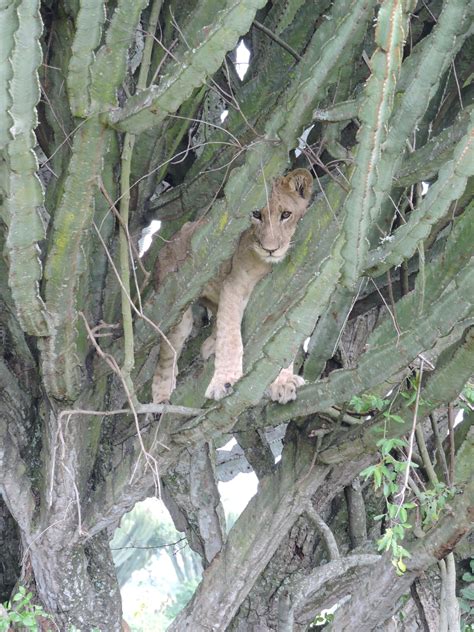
[(273, 226)]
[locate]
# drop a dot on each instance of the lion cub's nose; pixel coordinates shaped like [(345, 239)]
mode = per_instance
[(270, 250)]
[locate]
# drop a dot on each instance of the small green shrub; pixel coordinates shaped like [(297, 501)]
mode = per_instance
[(20, 612)]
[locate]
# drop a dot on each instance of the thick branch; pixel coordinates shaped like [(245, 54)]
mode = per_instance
[(255, 537)]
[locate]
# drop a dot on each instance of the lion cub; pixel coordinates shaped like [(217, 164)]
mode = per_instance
[(266, 242)]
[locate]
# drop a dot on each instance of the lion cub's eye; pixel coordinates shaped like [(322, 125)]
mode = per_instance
[(257, 215), (285, 215)]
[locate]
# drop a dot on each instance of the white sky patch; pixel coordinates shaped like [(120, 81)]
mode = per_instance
[(235, 494), (229, 445), (224, 115), (424, 188), (242, 59), (306, 345), (302, 140), (147, 236)]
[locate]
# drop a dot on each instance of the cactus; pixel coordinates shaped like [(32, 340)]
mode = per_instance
[(90, 20), (151, 106), (374, 113), (22, 188), (450, 185), (379, 280)]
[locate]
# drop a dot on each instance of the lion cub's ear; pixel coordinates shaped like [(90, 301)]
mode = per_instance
[(300, 181)]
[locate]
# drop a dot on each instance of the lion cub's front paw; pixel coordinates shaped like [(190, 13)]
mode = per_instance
[(221, 386), (283, 389)]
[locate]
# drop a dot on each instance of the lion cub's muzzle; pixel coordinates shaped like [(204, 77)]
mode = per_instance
[(271, 255)]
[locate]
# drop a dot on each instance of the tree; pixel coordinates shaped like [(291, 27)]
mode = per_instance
[(111, 116)]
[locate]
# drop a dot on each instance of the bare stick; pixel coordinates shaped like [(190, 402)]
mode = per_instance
[(135, 309), (141, 409), (420, 440), (392, 314), (439, 449), (278, 40), (150, 460), (451, 443), (401, 493)]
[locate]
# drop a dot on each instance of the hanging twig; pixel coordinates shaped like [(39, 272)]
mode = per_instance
[(401, 493), (278, 40), (149, 459), (423, 450), (439, 448), (451, 443)]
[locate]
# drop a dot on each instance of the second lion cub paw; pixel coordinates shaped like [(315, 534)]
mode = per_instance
[(283, 389), (221, 386)]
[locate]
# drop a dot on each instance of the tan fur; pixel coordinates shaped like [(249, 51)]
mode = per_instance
[(266, 242)]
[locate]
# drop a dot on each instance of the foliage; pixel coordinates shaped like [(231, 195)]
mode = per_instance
[(20, 612), (181, 598), (468, 395), (387, 475), (320, 620), (433, 500), (141, 536)]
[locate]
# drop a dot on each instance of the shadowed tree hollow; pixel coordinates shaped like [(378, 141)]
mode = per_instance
[(113, 115)]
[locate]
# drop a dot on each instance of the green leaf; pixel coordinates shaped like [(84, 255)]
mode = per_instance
[(368, 472), (468, 593), (377, 477), (396, 418)]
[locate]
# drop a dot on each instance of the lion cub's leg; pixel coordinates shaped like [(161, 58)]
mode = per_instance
[(208, 347), (228, 348), (283, 389), (164, 380)]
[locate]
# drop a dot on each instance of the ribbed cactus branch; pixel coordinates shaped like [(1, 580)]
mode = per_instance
[(443, 385), (331, 46), (449, 186), (65, 262), (108, 70), (425, 162), (439, 276), (89, 22), (418, 83), (323, 341), (453, 370), (24, 194), (342, 111), (8, 26), (149, 107), (258, 98), (63, 358), (374, 113), (385, 356), (458, 253)]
